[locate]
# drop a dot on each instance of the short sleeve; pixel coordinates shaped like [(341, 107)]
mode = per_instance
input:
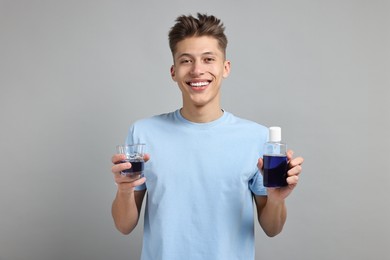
[(140, 187), (256, 185)]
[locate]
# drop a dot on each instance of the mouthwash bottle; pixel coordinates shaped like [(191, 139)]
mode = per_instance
[(275, 160)]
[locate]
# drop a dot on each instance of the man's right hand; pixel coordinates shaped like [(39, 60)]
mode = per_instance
[(125, 183)]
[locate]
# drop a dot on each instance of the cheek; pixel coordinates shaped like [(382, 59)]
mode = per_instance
[(219, 72), (178, 73)]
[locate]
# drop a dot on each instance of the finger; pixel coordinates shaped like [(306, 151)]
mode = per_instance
[(289, 154), (130, 183), (123, 178), (292, 180), (296, 161), (117, 158), (295, 170), (130, 177), (117, 168)]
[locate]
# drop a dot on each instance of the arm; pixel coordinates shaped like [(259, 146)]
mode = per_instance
[(271, 215), (127, 204), (126, 209), (271, 209)]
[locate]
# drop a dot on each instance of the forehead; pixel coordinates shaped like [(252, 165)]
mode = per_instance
[(196, 46)]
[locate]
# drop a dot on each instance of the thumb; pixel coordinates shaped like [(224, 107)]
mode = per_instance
[(260, 164), (146, 157), (290, 154)]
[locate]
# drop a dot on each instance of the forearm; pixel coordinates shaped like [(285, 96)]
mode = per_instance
[(124, 211), (272, 217)]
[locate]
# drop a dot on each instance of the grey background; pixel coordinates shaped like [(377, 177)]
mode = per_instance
[(75, 74)]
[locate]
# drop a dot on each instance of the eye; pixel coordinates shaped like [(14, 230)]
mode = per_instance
[(209, 59), (184, 61)]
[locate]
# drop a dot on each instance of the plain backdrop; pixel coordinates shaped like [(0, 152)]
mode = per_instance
[(76, 74)]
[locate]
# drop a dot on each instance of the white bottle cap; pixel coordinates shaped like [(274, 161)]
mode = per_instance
[(275, 134)]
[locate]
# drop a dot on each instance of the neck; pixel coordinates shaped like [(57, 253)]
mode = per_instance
[(201, 114)]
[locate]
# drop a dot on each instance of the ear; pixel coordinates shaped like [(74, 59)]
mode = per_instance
[(173, 72), (226, 69)]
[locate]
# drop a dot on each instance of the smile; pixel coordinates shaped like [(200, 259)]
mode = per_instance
[(198, 84)]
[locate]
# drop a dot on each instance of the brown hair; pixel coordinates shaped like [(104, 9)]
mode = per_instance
[(204, 25)]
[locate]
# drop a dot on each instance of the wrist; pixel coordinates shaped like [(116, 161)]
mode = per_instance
[(125, 191)]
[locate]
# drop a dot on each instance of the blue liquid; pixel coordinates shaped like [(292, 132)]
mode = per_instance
[(136, 168), (275, 171)]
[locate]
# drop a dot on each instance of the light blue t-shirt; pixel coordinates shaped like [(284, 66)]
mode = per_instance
[(199, 181)]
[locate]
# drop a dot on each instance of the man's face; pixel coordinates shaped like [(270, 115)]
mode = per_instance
[(199, 68)]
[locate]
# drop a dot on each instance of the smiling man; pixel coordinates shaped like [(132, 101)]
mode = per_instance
[(203, 172), (199, 68)]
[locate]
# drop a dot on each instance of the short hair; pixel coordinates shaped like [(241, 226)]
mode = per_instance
[(203, 25)]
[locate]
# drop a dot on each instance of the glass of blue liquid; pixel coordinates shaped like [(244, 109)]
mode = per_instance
[(135, 155)]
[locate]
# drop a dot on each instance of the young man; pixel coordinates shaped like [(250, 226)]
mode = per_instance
[(204, 164)]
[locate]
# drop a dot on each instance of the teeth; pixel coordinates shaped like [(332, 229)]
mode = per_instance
[(199, 84)]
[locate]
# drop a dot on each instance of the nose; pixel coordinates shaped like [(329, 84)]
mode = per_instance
[(197, 69)]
